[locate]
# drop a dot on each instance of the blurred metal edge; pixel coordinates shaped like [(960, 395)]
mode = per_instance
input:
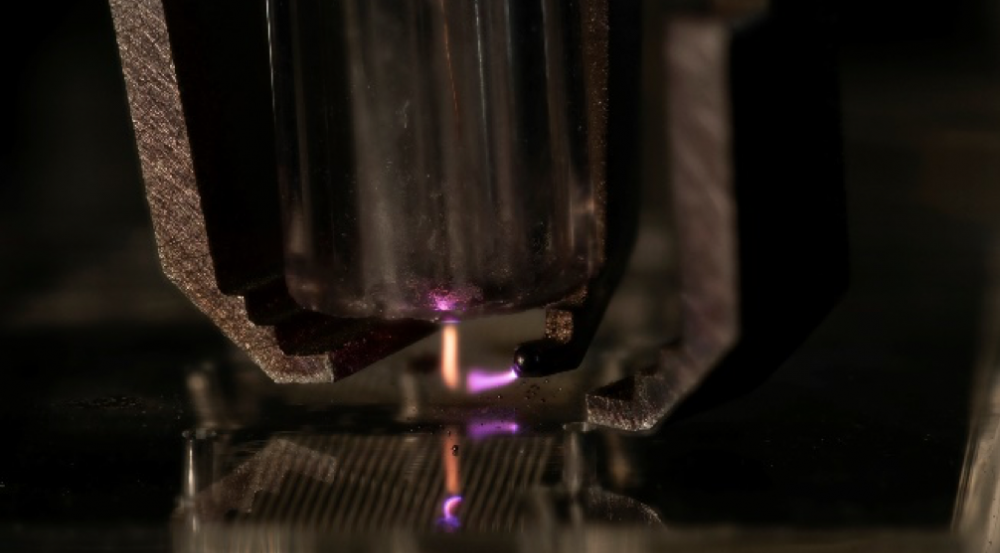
[(977, 503), (174, 203), (695, 56), (605, 537)]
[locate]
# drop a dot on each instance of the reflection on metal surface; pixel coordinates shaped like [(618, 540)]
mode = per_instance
[(405, 484), (350, 483), (478, 429), (449, 512), (449, 457)]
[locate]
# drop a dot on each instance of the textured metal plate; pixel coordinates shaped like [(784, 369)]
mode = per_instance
[(171, 190)]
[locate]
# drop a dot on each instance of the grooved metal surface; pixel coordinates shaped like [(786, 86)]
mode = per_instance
[(357, 483), (171, 190)]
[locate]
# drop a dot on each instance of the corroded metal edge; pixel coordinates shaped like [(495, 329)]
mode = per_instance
[(696, 61), (174, 203)]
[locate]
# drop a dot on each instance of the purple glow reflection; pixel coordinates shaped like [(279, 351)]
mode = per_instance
[(449, 519), (480, 381), (449, 506), (484, 429)]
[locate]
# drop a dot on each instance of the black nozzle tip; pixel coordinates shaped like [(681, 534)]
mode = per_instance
[(534, 359), (522, 362)]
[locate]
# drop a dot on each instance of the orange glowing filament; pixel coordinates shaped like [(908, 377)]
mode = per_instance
[(449, 357)]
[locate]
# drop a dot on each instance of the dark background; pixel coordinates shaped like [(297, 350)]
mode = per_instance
[(866, 425)]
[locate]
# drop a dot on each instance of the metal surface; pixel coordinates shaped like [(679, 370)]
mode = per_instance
[(855, 444), (695, 53), (363, 483), (174, 201), (227, 277)]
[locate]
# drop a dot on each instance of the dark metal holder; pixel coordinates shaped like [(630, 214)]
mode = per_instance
[(752, 144)]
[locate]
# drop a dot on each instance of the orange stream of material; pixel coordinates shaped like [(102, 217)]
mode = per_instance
[(450, 373)]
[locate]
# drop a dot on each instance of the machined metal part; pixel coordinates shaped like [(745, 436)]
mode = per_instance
[(352, 483), (700, 178), (349, 483), (753, 149), (207, 162)]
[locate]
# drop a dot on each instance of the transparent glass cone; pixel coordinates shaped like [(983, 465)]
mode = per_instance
[(434, 154)]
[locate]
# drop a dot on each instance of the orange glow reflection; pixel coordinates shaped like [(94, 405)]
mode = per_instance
[(450, 455)]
